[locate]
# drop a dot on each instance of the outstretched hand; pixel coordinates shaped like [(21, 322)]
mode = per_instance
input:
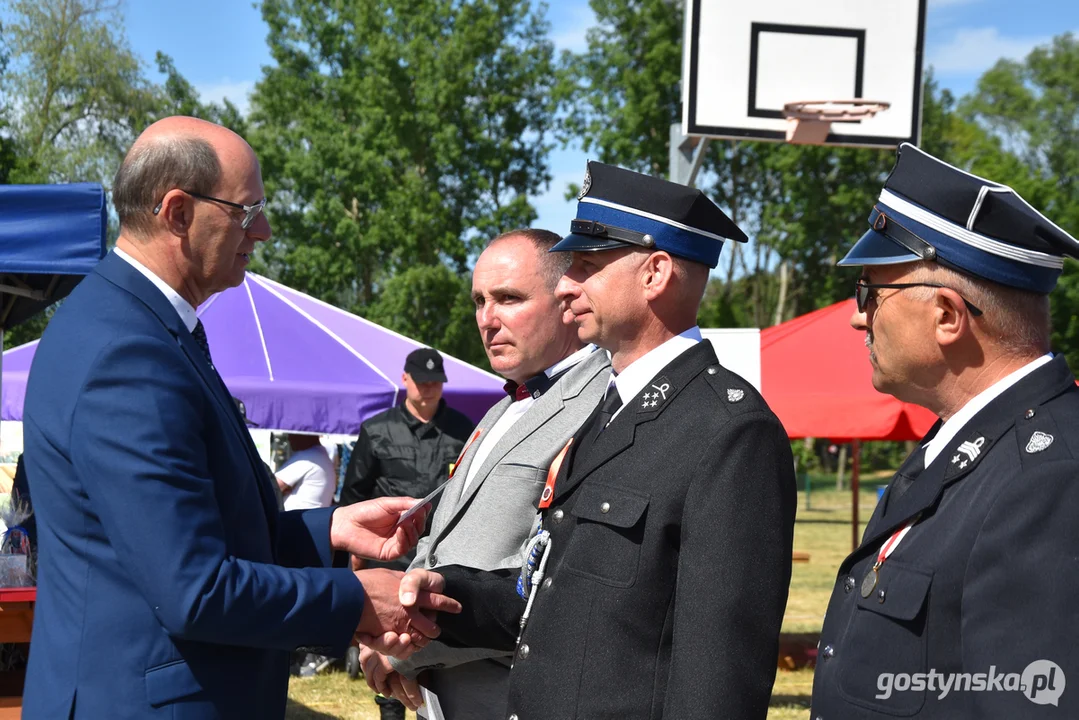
[(369, 529), (392, 628)]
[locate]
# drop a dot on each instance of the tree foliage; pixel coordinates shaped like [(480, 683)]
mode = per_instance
[(396, 136)]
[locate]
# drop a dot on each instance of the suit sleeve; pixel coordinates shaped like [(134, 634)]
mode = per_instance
[(733, 573), (1019, 597), (138, 447), (491, 609), (363, 469)]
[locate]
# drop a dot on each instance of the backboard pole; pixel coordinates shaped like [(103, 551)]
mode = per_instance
[(686, 156)]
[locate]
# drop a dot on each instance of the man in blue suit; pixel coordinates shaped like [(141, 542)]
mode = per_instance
[(169, 585)]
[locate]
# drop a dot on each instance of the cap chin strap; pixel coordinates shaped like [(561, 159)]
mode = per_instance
[(595, 229), (891, 229)]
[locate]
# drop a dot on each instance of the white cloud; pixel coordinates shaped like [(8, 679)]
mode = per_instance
[(237, 92), (569, 25), (974, 50)]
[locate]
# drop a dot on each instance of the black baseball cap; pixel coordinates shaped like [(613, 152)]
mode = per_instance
[(425, 365)]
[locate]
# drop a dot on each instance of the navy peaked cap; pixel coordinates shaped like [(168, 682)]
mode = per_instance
[(619, 208), (930, 210)]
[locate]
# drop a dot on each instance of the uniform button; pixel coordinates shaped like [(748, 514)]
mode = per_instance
[(557, 515), (880, 596), (547, 584), (848, 584), (827, 652), (1030, 414), (432, 561), (522, 652), (514, 717), (711, 371), (605, 507)]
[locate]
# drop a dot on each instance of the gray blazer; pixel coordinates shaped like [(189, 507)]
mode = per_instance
[(488, 525)]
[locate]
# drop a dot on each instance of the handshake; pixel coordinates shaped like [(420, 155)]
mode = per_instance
[(398, 617)]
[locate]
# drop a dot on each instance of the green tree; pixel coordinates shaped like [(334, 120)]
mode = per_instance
[(398, 134), (433, 303), (78, 88)]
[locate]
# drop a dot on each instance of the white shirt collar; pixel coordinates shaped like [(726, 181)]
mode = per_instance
[(956, 422), (639, 372), (569, 361), (183, 307)]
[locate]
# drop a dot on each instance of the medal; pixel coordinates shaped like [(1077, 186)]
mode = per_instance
[(869, 582)]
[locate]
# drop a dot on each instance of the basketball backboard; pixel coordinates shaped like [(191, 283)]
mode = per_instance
[(744, 61)]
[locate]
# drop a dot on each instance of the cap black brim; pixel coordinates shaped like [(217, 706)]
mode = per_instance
[(873, 248), (587, 243), (423, 376)]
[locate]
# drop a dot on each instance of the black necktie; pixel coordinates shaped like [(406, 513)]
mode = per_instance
[(199, 333), (611, 402), (912, 467)]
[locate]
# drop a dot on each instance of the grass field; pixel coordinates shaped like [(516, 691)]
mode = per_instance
[(823, 531)]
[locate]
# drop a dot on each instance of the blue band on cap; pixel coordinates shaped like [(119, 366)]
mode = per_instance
[(676, 241), (959, 255)]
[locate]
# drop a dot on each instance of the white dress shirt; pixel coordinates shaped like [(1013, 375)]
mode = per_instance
[(637, 375), (515, 412), (183, 307), (956, 422)]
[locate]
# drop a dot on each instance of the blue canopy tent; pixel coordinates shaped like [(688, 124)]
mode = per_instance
[(50, 237)]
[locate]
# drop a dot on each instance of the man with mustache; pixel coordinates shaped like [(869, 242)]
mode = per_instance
[(960, 601), (659, 577)]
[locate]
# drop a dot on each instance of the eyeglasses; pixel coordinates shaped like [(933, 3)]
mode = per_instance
[(250, 211), (863, 291)]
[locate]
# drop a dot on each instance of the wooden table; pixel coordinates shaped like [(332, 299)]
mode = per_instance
[(16, 619)]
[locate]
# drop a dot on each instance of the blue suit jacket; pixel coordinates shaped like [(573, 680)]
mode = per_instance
[(168, 583)]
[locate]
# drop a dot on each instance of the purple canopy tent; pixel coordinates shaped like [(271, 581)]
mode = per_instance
[(298, 363)]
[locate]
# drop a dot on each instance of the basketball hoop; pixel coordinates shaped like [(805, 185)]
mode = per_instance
[(810, 121)]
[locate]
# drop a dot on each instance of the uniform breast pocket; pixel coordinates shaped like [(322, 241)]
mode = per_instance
[(606, 540), (398, 461), (887, 637)]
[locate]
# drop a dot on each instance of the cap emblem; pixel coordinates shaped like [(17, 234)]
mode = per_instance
[(430, 364), (586, 185)]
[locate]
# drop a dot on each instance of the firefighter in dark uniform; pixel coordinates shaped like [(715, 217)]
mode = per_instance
[(961, 602), (657, 580)]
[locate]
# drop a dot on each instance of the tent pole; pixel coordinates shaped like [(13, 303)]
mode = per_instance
[(855, 471)]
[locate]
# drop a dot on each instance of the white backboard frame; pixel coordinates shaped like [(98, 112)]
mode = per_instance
[(738, 350), (737, 55)]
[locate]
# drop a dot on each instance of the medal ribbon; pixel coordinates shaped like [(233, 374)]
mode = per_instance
[(453, 467), (552, 476), (893, 542)]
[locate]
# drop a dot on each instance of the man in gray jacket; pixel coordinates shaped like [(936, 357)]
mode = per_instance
[(488, 510)]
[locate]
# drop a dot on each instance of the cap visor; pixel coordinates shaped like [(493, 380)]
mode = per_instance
[(425, 376), (876, 249), (587, 243)]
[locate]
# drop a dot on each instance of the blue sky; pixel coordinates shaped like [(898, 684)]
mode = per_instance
[(219, 46)]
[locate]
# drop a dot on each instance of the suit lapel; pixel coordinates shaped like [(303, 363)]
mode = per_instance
[(124, 275), (452, 496), (649, 404), (965, 451)]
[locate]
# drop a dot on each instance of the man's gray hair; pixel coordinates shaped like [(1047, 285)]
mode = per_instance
[(552, 265), (152, 168), (1017, 321)]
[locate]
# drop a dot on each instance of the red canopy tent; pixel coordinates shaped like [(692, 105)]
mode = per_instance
[(816, 376)]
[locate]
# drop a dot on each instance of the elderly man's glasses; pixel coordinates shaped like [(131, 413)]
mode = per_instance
[(250, 211), (863, 291)]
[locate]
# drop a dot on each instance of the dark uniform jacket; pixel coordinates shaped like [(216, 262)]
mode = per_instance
[(983, 586), (398, 454), (670, 562)]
